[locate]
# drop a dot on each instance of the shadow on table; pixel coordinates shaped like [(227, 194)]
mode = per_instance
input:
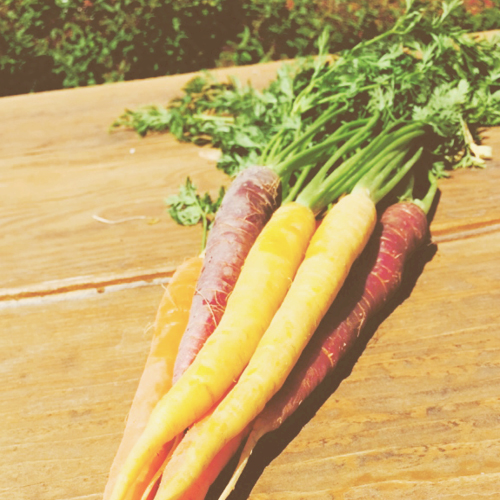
[(272, 444)]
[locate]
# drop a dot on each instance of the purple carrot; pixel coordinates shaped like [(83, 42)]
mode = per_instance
[(247, 206), (401, 230)]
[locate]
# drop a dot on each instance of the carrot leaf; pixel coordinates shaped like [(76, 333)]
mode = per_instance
[(189, 208)]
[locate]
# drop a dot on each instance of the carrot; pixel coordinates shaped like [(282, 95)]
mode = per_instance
[(198, 490), (402, 229), (248, 204), (268, 271), (156, 379), (335, 246)]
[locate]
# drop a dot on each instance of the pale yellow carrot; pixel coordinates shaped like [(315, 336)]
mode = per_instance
[(335, 246), (261, 287), (199, 489)]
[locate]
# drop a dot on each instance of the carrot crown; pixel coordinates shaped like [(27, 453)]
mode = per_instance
[(428, 197)]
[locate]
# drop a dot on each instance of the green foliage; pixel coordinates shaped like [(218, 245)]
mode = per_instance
[(188, 208), (283, 29), (238, 119), (423, 69), (49, 44), (418, 91)]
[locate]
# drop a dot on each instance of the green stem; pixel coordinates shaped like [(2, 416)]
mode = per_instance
[(345, 95), (270, 146), (376, 167), (402, 138), (316, 188), (408, 193), (205, 231), (311, 154), (382, 186), (426, 202), (344, 184), (277, 144), (354, 142), (313, 128), (214, 118), (298, 185)]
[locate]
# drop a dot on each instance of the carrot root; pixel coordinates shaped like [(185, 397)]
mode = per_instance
[(200, 487)]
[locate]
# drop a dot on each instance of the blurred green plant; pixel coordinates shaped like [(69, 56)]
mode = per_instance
[(50, 44), (281, 29)]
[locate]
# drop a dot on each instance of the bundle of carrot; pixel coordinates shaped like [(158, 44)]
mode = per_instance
[(269, 276), (247, 206), (245, 342)]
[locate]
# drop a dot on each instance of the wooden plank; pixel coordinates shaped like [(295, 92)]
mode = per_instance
[(59, 166), (68, 371), (470, 198)]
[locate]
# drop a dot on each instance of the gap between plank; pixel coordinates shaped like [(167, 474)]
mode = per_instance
[(465, 232), (80, 287), (87, 286)]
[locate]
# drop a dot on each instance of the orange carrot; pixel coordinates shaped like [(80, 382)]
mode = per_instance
[(267, 274), (333, 249), (156, 379)]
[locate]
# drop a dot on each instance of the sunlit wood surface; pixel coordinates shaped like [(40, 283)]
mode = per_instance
[(413, 412)]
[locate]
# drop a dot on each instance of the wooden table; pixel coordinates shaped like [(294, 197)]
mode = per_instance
[(413, 412)]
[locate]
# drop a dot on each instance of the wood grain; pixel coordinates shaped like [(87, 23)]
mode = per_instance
[(68, 371), (470, 198), (59, 166), (414, 412)]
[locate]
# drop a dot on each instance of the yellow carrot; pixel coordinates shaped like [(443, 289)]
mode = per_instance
[(335, 246), (198, 490), (261, 287), (170, 323)]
